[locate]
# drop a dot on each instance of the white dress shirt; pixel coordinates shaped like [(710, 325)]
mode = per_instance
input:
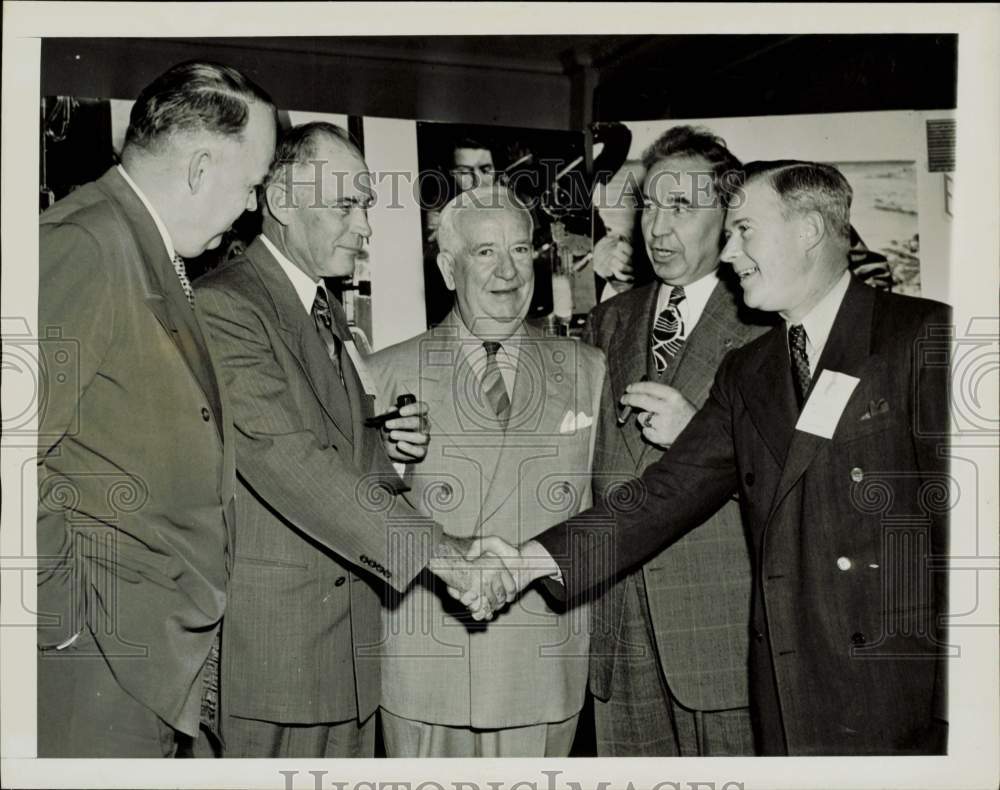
[(819, 321), (164, 234), (691, 307)]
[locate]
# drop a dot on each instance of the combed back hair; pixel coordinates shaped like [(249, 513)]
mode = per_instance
[(193, 97), (701, 142), (298, 146), (809, 186), (483, 198)]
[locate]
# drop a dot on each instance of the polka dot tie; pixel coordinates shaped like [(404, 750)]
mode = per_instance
[(183, 277), (800, 362)]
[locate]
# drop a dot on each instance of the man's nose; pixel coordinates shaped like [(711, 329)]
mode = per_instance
[(359, 222), (732, 250), (505, 267), (663, 222)]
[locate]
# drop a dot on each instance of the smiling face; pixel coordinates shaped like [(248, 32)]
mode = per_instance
[(767, 245), (492, 275), (682, 219), (328, 225)]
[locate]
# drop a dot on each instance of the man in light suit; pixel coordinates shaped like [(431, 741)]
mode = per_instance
[(832, 428), (135, 468), (512, 415), (669, 645), (320, 527)]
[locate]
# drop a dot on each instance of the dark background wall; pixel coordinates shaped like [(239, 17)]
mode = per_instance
[(547, 82)]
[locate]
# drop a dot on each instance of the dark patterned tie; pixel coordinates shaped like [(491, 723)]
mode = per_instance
[(668, 330), (331, 326), (183, 277), (800, 361), (492, 386)]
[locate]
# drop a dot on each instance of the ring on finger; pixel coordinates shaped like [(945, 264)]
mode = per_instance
[(647, 421)]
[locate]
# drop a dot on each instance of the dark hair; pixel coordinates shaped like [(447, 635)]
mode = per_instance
[(298, 146), (193, 96), (471, 142), (700, 142), (809, 186)]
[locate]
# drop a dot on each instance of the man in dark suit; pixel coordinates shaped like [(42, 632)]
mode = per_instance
[(668, 666), (832, 429), (301, 665), (135, 468)]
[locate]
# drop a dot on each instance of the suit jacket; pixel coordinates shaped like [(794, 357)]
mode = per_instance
[(530, 664), (847, 648), (311, 506), (698, 590), (135, 469)]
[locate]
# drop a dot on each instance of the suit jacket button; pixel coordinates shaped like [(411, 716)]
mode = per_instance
[(749, 478), (339, 581), (446, 490), (205, 414), (858, 638), (758, 635), (857, 474), (844, 563)]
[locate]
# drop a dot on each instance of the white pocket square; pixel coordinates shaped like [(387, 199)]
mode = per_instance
[(575, 422)]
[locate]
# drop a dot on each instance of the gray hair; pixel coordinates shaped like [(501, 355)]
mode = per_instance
[(809, 186), (488, 198)]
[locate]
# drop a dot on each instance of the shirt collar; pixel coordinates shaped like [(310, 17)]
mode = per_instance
[(304, 285), (696, 296), (819, 321), (164, 234), (472, 345)]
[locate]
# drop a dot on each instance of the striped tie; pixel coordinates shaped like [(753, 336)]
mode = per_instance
[(668, 330), (493, 389), (183, 277), (800, 362)]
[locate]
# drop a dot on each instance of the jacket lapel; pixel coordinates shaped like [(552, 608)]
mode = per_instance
[(531, 405), (299, 332), (162, 291), (628, 352), (769, 396), (847, 351)]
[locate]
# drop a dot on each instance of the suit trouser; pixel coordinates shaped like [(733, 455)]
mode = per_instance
[(256, 738), (83, 712), (410, 738), (641, 718)]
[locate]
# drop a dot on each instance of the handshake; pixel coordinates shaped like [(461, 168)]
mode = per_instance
[(486, 574)]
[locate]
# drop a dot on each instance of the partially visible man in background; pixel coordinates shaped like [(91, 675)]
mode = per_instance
[(669, 648), (512, 415), (136, 471)]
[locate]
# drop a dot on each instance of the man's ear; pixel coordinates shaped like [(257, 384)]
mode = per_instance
[(279, 201), (198, 165), (812, 228), (446, 263)]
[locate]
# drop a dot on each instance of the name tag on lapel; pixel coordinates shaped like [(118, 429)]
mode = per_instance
[(826, 403)]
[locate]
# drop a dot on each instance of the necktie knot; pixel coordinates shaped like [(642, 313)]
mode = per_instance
[(492, 347), (800, 361)]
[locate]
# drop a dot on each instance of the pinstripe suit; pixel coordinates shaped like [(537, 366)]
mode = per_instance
[(298, 613), (670, 641)]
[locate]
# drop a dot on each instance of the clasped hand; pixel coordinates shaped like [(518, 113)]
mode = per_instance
[(485, 574)]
